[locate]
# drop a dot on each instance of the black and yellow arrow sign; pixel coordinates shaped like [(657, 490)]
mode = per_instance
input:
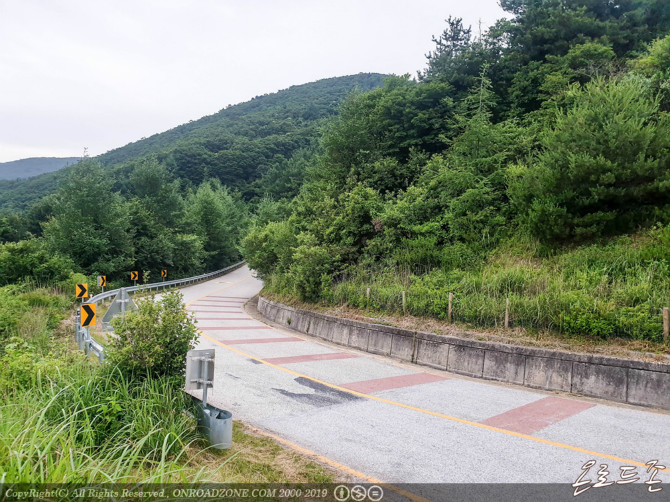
[(134, 276), (81, 290), (87, 314), (164, 273), (102, 281)]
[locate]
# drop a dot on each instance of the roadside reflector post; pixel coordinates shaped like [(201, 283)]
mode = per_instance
[(404, 304), (451, 303), (666, 324), (216, 423), (367, 295)]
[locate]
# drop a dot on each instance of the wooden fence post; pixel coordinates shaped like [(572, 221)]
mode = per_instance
[(451, 302), (507, 313)]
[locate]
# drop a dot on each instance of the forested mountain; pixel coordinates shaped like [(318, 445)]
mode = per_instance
[(288, 112), (176, 200), (519, 166), (531, 163), (238, 145), (26, 168)]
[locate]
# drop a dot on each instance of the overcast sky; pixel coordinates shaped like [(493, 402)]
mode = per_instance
[(100, 73)]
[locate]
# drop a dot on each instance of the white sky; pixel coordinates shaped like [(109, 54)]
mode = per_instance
[(103, 73)]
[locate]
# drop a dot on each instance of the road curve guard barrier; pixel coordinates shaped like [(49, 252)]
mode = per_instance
[(82, 334)]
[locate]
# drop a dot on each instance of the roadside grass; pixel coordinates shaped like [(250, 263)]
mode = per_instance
[(254, 458), (67, 418), (610, 293)]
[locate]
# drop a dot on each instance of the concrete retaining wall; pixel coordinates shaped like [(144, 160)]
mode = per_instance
[(624, 380)]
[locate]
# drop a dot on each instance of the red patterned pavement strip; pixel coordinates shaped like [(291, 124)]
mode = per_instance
[(312, 357), (230, 306), (218, 310), (222, 328), (211, 300), (225, 319), (261, 340), (537, 415), (396, 382)]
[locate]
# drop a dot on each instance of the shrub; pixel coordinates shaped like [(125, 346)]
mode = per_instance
[(603, 168), (154, 339), (29, 259)]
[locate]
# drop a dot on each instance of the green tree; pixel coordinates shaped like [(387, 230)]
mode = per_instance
[(219, 220), (90, 222), (603, 167), (655, 65)]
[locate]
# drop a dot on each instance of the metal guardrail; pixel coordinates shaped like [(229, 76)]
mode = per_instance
[(87, 344), (165, 284), (82, 335)]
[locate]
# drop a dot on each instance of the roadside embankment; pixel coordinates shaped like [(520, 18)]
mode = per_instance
[(617, 379)]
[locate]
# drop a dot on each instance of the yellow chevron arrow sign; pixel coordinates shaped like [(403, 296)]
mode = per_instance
[(87, 314), (81, 291)]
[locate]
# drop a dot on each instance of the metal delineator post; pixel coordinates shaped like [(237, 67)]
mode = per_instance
[(205, 383), (215, 422)]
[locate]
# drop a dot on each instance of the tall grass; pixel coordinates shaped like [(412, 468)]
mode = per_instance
[(614, 288), (96, 426)]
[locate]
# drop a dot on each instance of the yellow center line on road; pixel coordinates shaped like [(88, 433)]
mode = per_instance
[(428, 412), (305, 451), (434, 413)]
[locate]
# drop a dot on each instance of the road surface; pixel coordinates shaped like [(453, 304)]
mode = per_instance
[(382, 420)]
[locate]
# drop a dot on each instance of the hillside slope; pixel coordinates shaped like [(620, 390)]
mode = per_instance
[(236, 145), (34, 166)]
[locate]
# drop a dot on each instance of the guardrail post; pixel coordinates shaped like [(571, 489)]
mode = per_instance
[(87, 346)]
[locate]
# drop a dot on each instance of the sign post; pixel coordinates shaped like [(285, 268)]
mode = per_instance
[(164, 274), (134, 276)]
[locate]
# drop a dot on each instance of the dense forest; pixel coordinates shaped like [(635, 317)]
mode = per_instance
[(177, 200), (244, 146), (529, 163)]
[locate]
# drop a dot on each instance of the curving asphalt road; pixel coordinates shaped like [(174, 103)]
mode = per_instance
[(381, 420)]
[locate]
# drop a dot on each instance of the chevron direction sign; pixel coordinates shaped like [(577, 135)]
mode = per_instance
[(87, 314), (134, 275), (102, 281), (81, 291), (164, 273)]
